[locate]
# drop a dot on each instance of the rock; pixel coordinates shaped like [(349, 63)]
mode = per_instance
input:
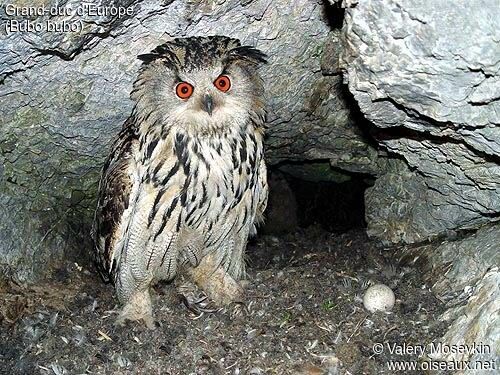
[(393, 205), (329, 126), (455, 266), (476, 326), (407, 206), (330, 59), (429, 82), (464, 273)]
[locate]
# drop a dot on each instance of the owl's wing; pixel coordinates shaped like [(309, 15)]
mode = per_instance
[(115, 189), (262, 193)]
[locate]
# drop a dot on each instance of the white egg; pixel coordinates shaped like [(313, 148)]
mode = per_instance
[(379, 297)]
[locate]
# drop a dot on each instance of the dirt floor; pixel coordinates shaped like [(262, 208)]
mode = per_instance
[(303, 314)]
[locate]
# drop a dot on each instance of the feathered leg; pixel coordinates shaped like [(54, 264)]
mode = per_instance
[(134, 294), (138, 307), (216, 282), (218, 273)]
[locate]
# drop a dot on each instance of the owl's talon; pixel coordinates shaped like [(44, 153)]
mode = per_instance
[(196, 306), (200, 300)]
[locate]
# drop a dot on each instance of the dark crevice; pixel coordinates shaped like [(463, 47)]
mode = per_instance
[(333, 14), (336, 207), (334, 202), (401, 132), (83, 46), (397, 132), (4, 76), (366, 129), (54, 52), (483, 103)]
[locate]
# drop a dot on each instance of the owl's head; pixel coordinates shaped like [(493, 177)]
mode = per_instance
[(202, 85)]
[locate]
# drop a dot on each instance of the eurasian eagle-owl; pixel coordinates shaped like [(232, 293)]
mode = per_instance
[(185, 182)]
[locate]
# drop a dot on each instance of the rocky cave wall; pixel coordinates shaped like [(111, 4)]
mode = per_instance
[(427, 77)]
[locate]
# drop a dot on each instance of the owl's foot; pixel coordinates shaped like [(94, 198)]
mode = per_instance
[(137, 308), (195, 300), (220, 287)]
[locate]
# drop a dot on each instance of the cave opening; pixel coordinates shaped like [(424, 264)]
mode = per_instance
[(315, 194), (335, 206)]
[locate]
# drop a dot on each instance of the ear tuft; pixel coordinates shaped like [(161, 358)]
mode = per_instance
[(148, 57), (164, 53), (249, 54)]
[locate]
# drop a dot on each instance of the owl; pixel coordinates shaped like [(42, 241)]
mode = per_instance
[(185, 182)]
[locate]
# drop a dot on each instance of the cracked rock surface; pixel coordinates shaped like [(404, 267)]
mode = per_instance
[(464, 273), (429, 80)]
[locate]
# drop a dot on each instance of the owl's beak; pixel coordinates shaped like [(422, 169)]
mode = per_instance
[(207, 104)]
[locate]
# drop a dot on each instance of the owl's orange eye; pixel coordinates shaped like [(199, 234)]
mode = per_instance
[(223, 83), (184, 90)]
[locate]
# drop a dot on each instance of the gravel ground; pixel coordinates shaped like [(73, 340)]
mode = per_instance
[(303, 314)]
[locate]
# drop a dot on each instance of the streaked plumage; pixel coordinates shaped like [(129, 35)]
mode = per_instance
[(185, 181)]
